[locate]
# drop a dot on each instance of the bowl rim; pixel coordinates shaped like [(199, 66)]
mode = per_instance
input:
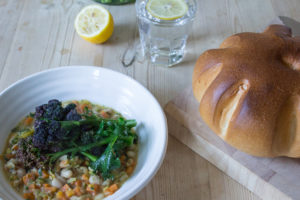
[(130, 193)]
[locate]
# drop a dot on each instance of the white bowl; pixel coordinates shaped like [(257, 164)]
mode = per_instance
[(101, 86)]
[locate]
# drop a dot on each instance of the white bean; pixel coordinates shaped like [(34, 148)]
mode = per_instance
[(64, 157), (94, 179), (82, 170), (131, 154), (64, 164), (129, 162), (13, 161), (99, 196), (132, 147), (56, 183), (21, 172), (9, 165), (76, 198), (106, 183), (61, 179), (16, 183), (66, 173), (124, 177), (34, 170)]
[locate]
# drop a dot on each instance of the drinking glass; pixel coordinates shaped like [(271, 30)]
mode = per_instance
[(164, 41)]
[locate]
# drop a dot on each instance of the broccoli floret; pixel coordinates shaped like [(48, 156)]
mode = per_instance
[(48, 130), (72, 115), (40, 135)]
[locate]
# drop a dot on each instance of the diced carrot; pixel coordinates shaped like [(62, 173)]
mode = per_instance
[(45, 174), (28, 121), (75, 102), (85, 177), (133, 164), (29, 196), (122, 158), (33, 186), (9, 156), (113, 188), (69, 193), (15, 147), (93, 188), (60, 195), (28, 177), (78, 183), (104, 114), (129, 170), (77, 191), (83, 106), (65, 188), (49, 189)]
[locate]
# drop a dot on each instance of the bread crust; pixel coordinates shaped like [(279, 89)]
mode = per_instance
[(249, 91)]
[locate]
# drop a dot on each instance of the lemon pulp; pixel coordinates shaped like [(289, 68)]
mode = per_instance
[(94, 23), (167, 9)]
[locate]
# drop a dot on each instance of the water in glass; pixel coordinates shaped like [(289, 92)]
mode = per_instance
[(164, 41)]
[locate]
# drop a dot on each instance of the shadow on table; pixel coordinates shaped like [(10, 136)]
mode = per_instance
[(183, 175)]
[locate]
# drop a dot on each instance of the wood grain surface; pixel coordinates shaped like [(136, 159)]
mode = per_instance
[(269, 178), (38, 34)]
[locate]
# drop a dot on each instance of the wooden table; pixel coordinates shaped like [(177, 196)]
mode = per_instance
[(38, 34)]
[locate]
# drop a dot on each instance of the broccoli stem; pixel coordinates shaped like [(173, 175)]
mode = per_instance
[(55, 156), (90, 156), (68, 125), (130, 123)]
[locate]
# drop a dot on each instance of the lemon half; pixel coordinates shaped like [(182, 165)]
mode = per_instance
[(167, 9), (94, 23)]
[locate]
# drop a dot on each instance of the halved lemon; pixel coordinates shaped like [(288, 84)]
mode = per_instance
[(167, 9), (94, 23)]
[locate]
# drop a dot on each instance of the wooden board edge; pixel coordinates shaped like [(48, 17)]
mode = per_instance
[(222, 161)]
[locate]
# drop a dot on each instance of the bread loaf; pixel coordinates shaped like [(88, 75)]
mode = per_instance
[(249, 91)]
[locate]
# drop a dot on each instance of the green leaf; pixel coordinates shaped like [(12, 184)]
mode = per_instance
[(55, 156), (123, 142), (108, 161), (131, 123), (101, 128)]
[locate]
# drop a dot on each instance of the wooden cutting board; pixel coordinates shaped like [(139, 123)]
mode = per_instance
[(269, 178)]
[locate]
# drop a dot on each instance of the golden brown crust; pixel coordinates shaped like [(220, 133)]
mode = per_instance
[(249, 91)]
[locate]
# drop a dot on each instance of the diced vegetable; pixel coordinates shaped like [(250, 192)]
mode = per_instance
[(71, 154)]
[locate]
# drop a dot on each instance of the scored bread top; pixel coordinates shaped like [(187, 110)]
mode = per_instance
[(249, 91)]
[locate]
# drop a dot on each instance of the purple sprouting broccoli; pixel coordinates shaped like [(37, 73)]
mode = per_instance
[(49, 132)]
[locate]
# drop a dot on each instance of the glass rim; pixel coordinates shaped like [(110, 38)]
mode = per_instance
[(182, 19)]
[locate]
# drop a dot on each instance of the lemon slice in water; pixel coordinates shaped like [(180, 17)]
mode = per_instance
[(167, 9), (94, 23)]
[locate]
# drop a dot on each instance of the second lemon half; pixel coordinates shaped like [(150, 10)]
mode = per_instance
[(94, 23)]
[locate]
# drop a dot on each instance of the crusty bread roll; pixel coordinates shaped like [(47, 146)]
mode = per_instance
[(249, 91)]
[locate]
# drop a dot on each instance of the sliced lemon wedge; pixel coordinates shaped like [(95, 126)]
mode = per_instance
[(94, 23), (167, 9)]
